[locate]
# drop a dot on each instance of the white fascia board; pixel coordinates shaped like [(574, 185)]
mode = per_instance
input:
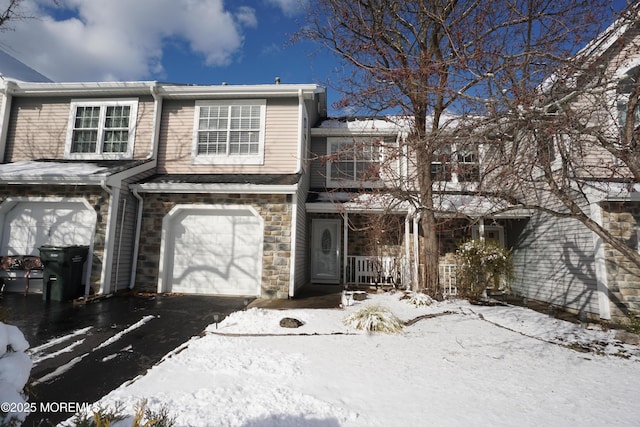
[(215, 188), (239, 91), (353, 132), (53, 180), (629, 197), (82, 89), (329, 207), (116, 178)]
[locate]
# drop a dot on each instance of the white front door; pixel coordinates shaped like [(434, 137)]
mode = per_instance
[(325, 251)]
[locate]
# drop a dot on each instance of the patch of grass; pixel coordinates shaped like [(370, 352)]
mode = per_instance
[(375, 318)]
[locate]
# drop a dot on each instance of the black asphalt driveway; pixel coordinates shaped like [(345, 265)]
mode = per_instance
[(81, 352)]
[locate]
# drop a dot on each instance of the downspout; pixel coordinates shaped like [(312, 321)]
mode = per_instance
[(136, 240), (105, 275), (5, 113), (122, 215), (152, 156)]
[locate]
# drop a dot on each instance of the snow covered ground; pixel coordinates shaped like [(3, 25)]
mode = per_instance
[(468, 365)]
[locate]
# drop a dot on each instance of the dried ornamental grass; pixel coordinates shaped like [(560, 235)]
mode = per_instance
[(374, 318), (419, 299)]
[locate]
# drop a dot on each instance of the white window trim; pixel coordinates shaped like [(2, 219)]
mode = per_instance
[(453, 164), (103, 104), (342, 183), (226, 159)]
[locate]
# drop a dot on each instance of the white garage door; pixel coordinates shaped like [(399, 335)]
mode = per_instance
[(29, 225), (215, 252)]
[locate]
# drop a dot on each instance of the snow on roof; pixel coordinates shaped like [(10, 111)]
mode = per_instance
[(365, 123), (47, 169)]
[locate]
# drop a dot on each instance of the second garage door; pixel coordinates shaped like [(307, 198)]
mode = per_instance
[(215, 252), (29, 225)]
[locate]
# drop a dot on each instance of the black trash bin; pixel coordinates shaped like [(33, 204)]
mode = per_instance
[(62, 273)]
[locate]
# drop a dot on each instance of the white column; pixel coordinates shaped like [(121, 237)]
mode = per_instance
[(345, 240), (600, 266)]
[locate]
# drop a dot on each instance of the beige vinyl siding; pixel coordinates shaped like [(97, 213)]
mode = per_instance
[(38, 128), (282, 133)]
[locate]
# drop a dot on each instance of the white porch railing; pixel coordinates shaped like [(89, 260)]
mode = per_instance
[(374, 270), (447, 279)]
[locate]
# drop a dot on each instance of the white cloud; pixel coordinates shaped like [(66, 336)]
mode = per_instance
[(89, 40), (290, 7)]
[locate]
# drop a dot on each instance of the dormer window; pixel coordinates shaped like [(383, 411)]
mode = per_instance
[(229, 132), (101, 129)]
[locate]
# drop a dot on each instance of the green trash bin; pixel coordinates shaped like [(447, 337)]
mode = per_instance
[(62, 273)]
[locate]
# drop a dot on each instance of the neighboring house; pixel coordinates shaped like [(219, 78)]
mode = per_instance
[(558, 260), (13, 69), (68, 152), (363, 224)]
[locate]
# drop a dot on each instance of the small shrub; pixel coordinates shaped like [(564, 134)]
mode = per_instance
[(482, 264), (419, 299), (375, 318), (142, 417), (99, 417), (156, 419)]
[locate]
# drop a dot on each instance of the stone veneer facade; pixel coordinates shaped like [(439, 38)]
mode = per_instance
[(276, 257), (622, 219), (97, 198)]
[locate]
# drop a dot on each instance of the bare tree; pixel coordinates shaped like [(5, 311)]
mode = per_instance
[(10, 11), (438, 60), (574, 142)]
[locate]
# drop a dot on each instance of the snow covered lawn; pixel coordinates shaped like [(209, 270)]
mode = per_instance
[(469, 366)]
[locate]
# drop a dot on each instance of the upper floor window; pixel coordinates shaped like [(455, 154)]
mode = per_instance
[(353, 162), (101, 129), (229, 132), (627, 87), (455, 163)]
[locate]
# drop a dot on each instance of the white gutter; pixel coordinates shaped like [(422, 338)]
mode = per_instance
[(230, 91), (155, 137), (105, 274), (5, 113), (216, 188), (136, 242)]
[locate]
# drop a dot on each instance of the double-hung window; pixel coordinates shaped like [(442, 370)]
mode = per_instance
[(101, 129), (229, 132), (455, 163), (353, 162)]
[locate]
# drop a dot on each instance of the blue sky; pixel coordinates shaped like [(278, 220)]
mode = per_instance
[(178, 41)]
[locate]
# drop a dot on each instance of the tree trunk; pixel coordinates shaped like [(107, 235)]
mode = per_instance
[(429, 251)]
